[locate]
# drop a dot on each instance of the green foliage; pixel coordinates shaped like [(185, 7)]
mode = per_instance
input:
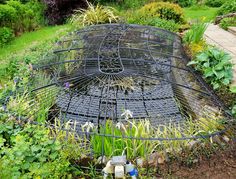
[(21, 17), (233, 89), (136, 18), (163, 10), (216, 67), (227, 22), (129, 136), (6, 35), (234, 110), (124, 4), (94, 15), (7, 15), (186, 3), (214, 3), (28, 152), (133, 4), (163, 24), (195, 33), (227, 7)]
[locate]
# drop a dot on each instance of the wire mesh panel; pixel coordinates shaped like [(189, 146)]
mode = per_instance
[(123, 88)]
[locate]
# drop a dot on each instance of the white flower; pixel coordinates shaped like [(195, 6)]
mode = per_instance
[(120, 125), (127, 114), (88, 125)]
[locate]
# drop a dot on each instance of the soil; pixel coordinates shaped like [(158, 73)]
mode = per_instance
[(221, 165)]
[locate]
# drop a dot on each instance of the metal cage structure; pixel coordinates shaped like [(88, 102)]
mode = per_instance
[(118, 82)]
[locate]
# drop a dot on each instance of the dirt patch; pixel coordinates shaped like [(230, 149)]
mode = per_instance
[(221, 165)]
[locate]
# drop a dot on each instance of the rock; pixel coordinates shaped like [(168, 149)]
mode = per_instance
[(102, 160), (140, 162), (161, 159), (226, 139)]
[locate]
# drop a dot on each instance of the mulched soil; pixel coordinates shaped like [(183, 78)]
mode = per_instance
[(221, 165)]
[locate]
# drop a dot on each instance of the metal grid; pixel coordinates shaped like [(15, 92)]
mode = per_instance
[(101, 71)]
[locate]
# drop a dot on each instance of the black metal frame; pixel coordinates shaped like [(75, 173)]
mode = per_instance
[(100, 71)]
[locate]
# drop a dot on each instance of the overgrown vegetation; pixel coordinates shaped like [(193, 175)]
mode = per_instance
[(227, 7), (227, 22), (19, 17), (133, 137)]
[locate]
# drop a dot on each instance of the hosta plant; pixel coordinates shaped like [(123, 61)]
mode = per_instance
[(94, 15), (215, 65)]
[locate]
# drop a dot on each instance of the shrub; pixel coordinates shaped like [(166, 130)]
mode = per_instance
[(162, 23), (134, 17), (163, 10), (216, 67), (214, 3), (6, 35), (94, 15), (195, 33), (186, 3), (21, 17), (227, 7), (132, 4), (8, 15), (227, 22), (28, 152)]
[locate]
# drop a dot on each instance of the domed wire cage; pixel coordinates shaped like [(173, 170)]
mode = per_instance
[(123, 89)]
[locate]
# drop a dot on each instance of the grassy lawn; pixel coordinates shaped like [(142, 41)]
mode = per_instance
[(200, 12), (27, 40)]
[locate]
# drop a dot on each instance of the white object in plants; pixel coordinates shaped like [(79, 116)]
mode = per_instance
[(119, 171), (120, 126), (88, 126), (127, 114), (109, 169)]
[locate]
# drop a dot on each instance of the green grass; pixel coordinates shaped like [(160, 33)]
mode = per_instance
[(27, 40), (193, 13)]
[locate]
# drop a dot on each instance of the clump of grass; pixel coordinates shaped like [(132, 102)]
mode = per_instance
[(94, 15), (195, 34), (141, 139)]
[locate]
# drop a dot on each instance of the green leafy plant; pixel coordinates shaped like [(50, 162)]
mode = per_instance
[(234, 110), (28, 152), (233, 89), (94, 15), (215, 65), (163, 10), (195, 33), (6, 35), (227, 7), (227, 22), (132, 136), (162, 23), (185, 3), (214, 3), (21, 17)]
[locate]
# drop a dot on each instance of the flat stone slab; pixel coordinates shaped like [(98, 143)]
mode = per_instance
[(223, 39), (232, 30)]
